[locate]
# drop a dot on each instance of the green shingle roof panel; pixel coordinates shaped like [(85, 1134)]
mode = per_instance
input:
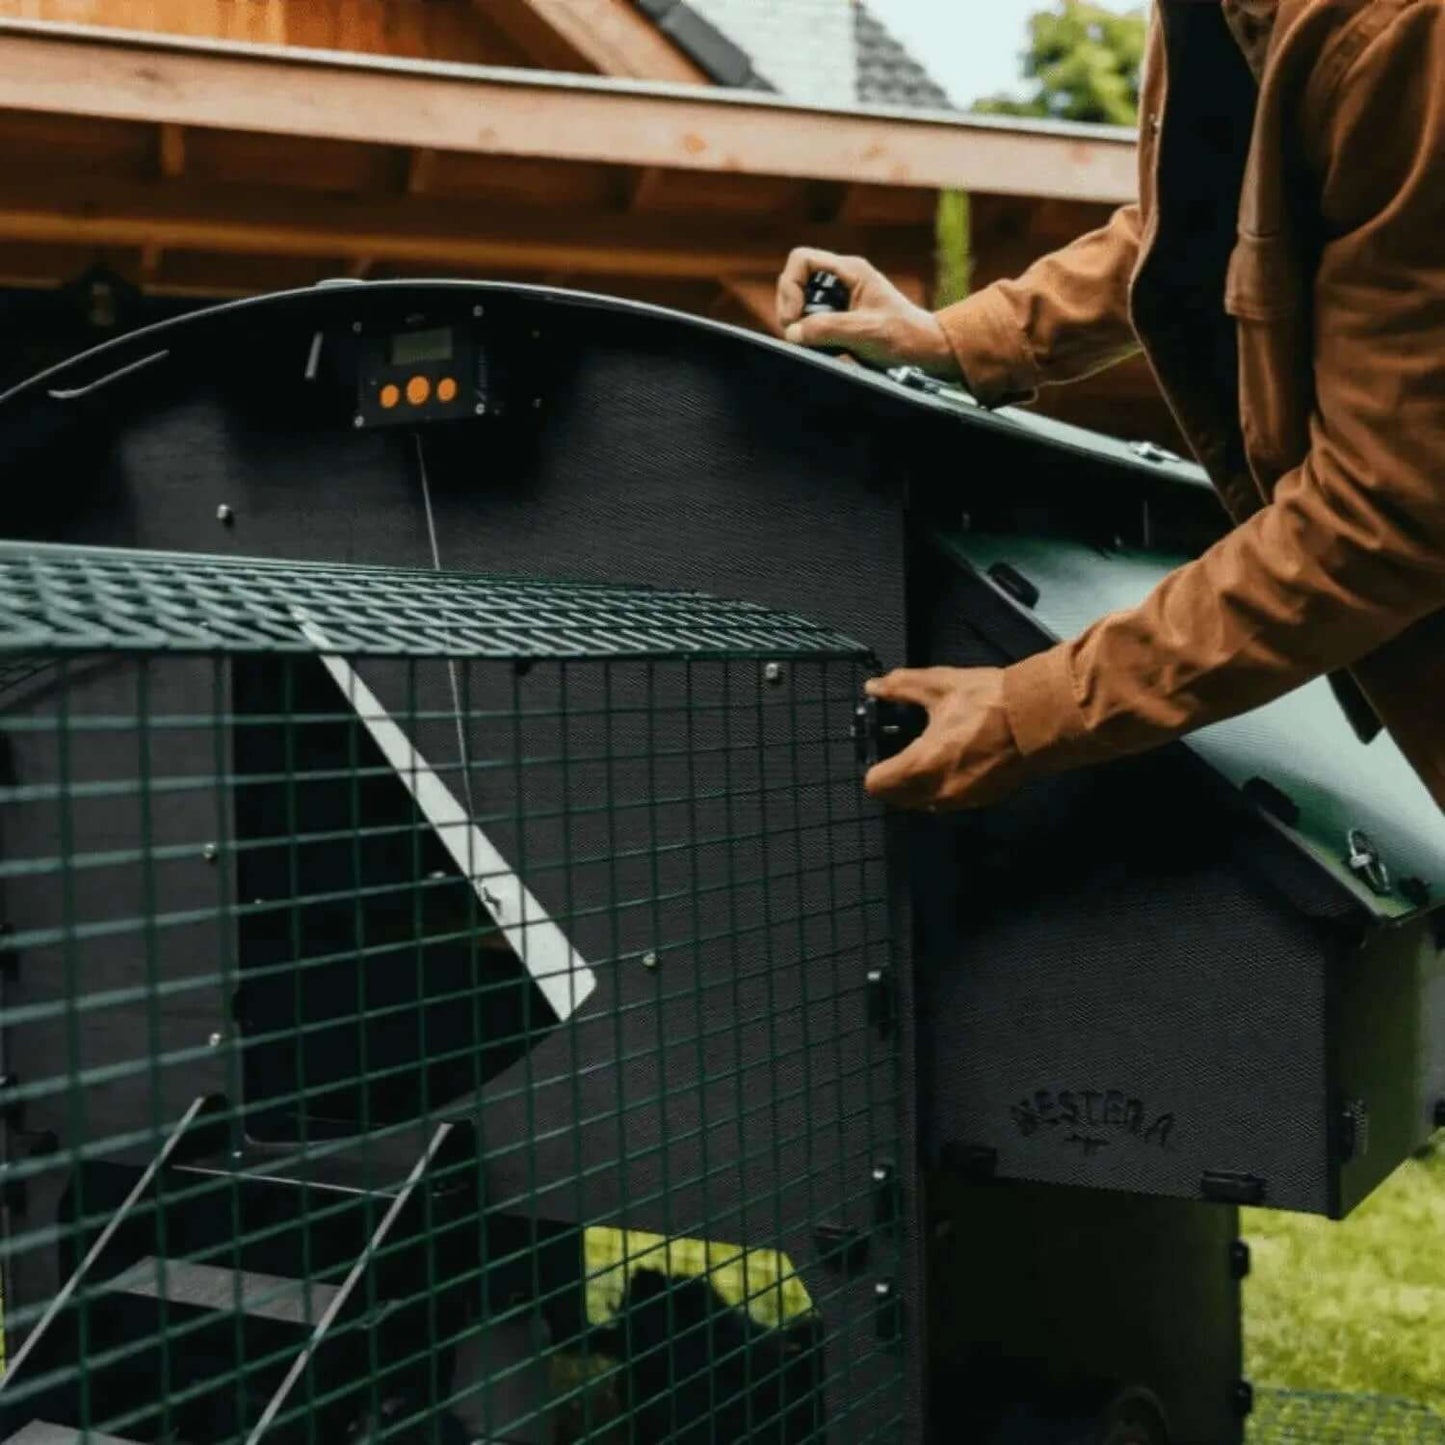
[(1302, 744)]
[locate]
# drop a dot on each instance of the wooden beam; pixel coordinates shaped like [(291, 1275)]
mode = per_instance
[(824, 202), (757, 297), (420, 169), (647, 185), (268, 90), (172, 150), (603, 37), (913, 286), (418, 231)]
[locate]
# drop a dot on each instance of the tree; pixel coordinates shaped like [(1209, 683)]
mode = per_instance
[(1084, 63)]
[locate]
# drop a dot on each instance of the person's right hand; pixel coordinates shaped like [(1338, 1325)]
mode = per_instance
[(882, 328)]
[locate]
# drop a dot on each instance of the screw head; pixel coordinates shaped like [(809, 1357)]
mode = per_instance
[(536, 403), (356, 327), (358, 421), (478, 311), (773, 673), (224, 515), (1241, 1261), (215, 1040), (210, 852), (481, 408), (649, 959)]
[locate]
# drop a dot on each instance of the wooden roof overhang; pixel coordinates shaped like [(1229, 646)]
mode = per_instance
[(222, 167)]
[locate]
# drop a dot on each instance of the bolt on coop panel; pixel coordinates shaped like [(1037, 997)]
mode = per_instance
[(441, 1009)]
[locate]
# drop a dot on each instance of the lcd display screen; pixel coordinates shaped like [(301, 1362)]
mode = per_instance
[(412, 348)]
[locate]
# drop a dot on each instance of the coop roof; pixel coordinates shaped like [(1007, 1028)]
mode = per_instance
[(69, 600), (1300, 749)]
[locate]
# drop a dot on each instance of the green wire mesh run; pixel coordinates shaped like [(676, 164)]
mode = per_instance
[(1294, 1417), (438, 1009)]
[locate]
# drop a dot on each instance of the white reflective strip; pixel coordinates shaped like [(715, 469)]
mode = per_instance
[(558, 969)]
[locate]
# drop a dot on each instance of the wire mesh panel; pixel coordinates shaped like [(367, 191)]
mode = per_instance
[(439, 1009), (1301, 1417)]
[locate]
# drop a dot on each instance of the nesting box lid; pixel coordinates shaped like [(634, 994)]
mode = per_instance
[(1340, 800)]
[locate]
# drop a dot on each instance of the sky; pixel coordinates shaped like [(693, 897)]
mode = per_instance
[(970, 46)]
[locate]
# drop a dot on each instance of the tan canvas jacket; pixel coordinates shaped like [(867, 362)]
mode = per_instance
[(1300, 339)]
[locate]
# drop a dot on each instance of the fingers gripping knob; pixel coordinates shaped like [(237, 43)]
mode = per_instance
[(826, 295), (882, 729)]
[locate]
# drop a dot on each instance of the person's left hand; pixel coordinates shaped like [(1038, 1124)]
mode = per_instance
[(966, 757)]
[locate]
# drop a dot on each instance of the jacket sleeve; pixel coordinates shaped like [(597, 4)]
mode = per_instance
[(1066, 317), (1351, 550)]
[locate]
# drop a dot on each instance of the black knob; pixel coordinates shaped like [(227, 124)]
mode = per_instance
[(825, 292)]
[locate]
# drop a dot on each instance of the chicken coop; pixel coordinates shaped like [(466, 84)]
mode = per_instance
[(456, 988)]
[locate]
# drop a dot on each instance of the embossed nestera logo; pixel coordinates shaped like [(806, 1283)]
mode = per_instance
[(1091, 1120)]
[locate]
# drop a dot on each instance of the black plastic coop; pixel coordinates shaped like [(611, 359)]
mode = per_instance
[(457, 987)]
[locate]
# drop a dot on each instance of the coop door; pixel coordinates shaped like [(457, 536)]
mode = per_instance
[(520, 1028), (631, 917)]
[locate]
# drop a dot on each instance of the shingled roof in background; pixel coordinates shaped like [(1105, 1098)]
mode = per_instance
[(695, 35), (830, 52), (888, 74)]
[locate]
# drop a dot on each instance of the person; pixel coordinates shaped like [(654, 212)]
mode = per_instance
[(1284, 273)]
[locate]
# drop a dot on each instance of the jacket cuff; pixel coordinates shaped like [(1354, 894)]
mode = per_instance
[(1043, 710), (990, 348)]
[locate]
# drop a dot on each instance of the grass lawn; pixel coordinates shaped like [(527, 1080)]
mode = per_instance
[(1357, 1306)]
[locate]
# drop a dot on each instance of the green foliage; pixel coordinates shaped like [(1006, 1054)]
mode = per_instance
[(954, 274), (1360, 1306), (1084, 64)]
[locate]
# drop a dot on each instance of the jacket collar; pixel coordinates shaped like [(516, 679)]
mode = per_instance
[(1252, 23)]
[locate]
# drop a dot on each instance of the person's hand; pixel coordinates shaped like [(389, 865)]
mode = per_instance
[(883, 327), (966, 757)]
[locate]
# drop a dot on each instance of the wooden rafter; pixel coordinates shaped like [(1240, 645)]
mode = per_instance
[(647, 183), (420, 168), (172, 150), (395, 229), (603, 37), (96, 73), (756, 297)]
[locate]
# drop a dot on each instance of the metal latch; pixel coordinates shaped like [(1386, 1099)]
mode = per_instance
[(1153, 452), (1366, 863), (916, 379)]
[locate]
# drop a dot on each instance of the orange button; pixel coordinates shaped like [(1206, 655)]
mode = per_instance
[(417, 390), (446, 389), (390, 395)]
